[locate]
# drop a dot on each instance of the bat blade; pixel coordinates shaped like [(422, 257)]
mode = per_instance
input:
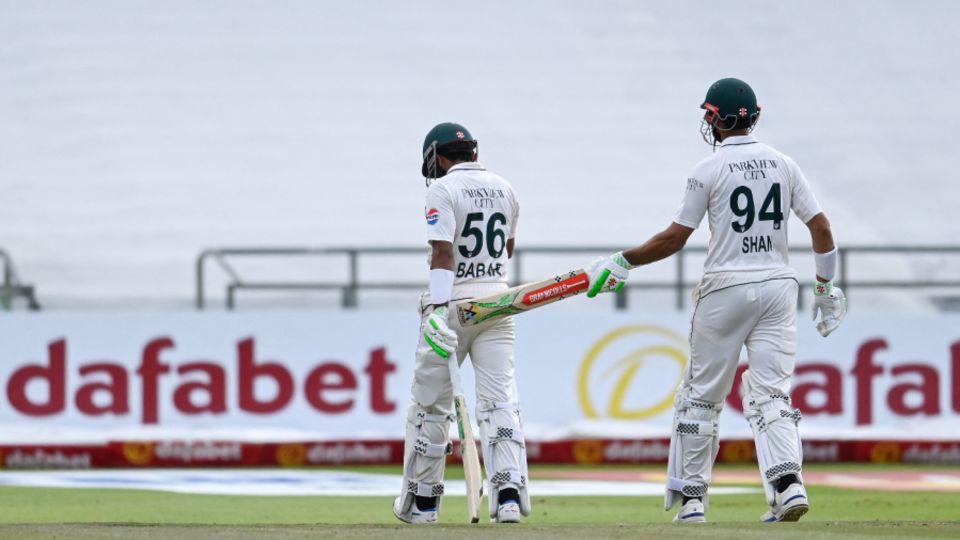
[(522, 298), (471, 460)]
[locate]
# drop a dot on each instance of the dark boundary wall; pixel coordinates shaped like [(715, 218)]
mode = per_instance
[(128, 454)]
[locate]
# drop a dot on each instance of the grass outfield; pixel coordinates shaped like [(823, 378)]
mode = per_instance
[(30, 513)]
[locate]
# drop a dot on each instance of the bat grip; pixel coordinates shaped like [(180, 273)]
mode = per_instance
[(454, 366)]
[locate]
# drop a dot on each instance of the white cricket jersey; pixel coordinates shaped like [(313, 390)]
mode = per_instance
[(477, 211), (748, 190)]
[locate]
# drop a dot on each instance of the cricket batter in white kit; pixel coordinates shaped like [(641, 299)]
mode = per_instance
[(471, 219), (748, 296)]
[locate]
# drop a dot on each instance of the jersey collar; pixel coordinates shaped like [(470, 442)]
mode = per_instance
[(466, 166), (738, 140)]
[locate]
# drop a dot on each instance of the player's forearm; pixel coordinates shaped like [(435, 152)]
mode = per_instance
[(651, 251), (821, 234), (824, 248), (441, 255), (660, 246), (442, 260)]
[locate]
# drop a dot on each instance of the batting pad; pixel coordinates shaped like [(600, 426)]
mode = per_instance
[(425, 450), (774, 424), (504, 452), (694, 444)]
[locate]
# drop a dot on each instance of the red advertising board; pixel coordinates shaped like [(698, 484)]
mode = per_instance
[(200, 389)]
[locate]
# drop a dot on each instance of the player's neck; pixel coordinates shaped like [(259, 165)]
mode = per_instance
[(724, 135)]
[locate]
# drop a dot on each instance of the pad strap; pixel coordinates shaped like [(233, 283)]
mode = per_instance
[(694, 427), (427, 449), (690, 489), (765, 414), (781, 469), (508, 477), (753, 403), (770, 417), (507, 434), (423, 489), (418, 418), (686, 403)]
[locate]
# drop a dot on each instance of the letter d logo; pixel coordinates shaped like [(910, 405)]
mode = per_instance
[(637, 368)]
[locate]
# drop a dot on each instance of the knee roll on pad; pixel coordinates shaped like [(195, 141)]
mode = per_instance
[(504, 452), (774, 423), (694, 443), (426, 447)]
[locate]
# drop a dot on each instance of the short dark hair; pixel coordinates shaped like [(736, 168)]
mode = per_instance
[(458, 151)]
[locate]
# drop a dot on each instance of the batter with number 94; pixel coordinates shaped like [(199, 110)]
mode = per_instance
[(471, 221), (747, 297)]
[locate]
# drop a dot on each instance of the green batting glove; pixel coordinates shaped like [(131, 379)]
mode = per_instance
[(608, 274), (438, 334)]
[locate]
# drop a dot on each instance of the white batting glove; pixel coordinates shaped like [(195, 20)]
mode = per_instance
[(608, 274), (441, 338), (831, 304)]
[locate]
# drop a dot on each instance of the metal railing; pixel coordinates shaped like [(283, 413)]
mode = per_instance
[(349, 288), (11, 288), (679, 284)]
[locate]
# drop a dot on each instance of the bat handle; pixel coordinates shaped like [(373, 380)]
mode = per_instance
[(454, 366)]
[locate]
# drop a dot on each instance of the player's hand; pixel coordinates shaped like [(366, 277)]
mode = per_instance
[(831, 304), (438, 334), (607, 274)]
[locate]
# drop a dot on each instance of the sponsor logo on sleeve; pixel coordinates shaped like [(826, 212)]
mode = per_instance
[(433, 216), (693, 184)]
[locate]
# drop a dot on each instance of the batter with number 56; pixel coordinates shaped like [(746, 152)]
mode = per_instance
[(747, 297), (471, 220)]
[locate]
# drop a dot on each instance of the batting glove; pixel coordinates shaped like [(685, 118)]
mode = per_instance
[(831, 304), (438, 334), (608, 274)]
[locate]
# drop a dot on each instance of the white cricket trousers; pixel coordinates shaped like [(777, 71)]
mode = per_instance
[(491, 349), (761, 316)]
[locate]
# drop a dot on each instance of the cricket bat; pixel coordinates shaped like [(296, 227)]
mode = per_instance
[(522, 298), (468, 448)]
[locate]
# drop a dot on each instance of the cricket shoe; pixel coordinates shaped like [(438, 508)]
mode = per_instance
[(415, 515), (790, 505), (508, 512), (691, 512)]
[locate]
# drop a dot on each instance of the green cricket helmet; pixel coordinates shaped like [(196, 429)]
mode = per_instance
[(730, 104), (442, 139)]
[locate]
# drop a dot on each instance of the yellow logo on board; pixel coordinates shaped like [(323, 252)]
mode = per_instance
[(619, 359), (885, 452), (138, 453), (587, 451), (291, 455)]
